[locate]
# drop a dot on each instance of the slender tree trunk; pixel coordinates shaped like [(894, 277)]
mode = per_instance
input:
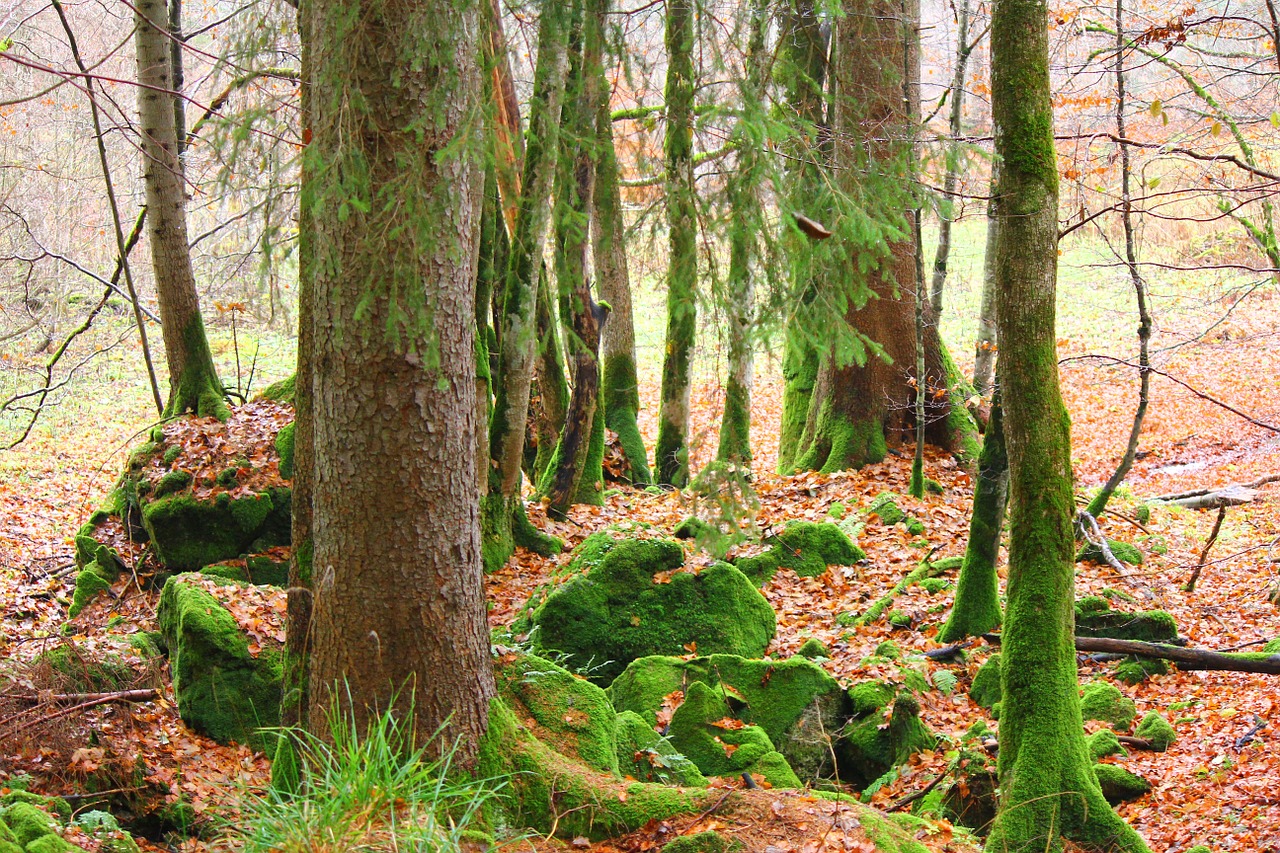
[(505, 523), (193, 380), (803, 67), (576, 475), (1048, 790), (549, 406), (399, 606), (984, 356), (672, 453), (977, 604), (1099, 503), (620, 394), (956, 126), (745, 226)]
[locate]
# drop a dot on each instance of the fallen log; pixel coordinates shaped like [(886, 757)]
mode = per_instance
[(1186, 659)]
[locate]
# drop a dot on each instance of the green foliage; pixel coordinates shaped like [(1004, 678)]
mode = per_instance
[(359, 788)]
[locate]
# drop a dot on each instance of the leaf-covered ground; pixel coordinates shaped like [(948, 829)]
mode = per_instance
[(1208, 788)]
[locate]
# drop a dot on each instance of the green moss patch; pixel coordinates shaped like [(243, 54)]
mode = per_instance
[(635, 603), (1104, 702), (223, 691), (646, 756), (705, 731), (807, 548), (284, 446), (986, 689), (1120, 785), (188, 534), (1104, 743), (873, 743), (1156, 729), (1122, 551), (1095, 618)]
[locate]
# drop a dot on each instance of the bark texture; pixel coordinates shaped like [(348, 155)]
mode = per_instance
[(395, 177), (1048, 789), (672, 452), (193, 380)]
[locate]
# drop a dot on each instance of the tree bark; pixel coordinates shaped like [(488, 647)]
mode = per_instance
[(984, 354), (193, 379), (399, 620), (1048, 790), (672, 453), (942, 256)]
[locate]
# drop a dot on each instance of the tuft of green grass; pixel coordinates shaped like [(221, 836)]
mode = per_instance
[(376, 789)]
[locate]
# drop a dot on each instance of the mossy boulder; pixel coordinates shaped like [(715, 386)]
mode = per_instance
[(1138, 670), (796, 702), (569, 713), (646, 756), (223, 690), (1095, 618), (284, 446), (635, 603), (1104, 743), (1122, 551), (28, 822), (699, 842), (1104, 702), (1156, 729), (705, 731), (885, 507), (813, 649), (282, 391), (189, 533), (1120, 785), (986, 689), (808, 548), (882, 738)]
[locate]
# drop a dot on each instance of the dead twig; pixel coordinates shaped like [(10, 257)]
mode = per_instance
[(1190, 585)]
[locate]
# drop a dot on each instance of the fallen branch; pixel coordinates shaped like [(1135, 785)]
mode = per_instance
[(1186, 659), (1190, 585), (103, 699), (142, 695), (1256, 484), (1137, 743), (1219, 499), (923, 792)]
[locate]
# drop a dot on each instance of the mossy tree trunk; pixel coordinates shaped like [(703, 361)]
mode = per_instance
[(977, 604), (193, 380), (857, 409), (549, 405), (620, 391), (399, 619), (803, 69), (984, 354), (295, 701), (745, 227), (504, 521), (1048, 789), (672, 452), (576, 472), (956, 92)]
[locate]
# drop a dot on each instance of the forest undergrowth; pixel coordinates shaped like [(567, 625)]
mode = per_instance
[(1215, 785)]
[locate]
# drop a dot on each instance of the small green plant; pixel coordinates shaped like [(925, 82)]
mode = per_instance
[(375, 788)]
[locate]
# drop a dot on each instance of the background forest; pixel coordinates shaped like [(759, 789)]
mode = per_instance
[(637, 426)]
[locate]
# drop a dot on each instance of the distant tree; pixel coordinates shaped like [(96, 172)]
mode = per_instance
[(193, 380), (393, 177), (1048, 791), (671, 457)]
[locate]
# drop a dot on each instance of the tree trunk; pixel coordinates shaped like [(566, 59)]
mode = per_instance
[(803, 68), (504, 521), (549, 406), (672, 452), (858, 409), (746, 224), (977, 604), (575, 475), (620, 394), (399, 618), (984, 356), (193, 380), (956, 118), (1048, 790)]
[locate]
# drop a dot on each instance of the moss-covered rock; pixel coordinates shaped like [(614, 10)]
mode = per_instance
[(807, 548), (1095, 618), (284, 446), (705, 731), (699, 842), (282, 391), (1138, 670), (694, 528), (91, 581), (52, 844), (1104, 702), (1104, 743), (571, 714), (28, 822), (1122, 551), (871, 744), (223, 691), (619, 611), (1156, 729), (646, 756), (797, 703), (188, 534), (885, 506), (813, 649), (1119, 785), (985, 689)]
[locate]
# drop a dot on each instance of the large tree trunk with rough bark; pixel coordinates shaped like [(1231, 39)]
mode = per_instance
[(858, 409), (394, 176), (1048, 789), (671, 457), (193, 380)]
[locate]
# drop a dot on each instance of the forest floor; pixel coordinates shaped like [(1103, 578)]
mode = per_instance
[(1207, 789)]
